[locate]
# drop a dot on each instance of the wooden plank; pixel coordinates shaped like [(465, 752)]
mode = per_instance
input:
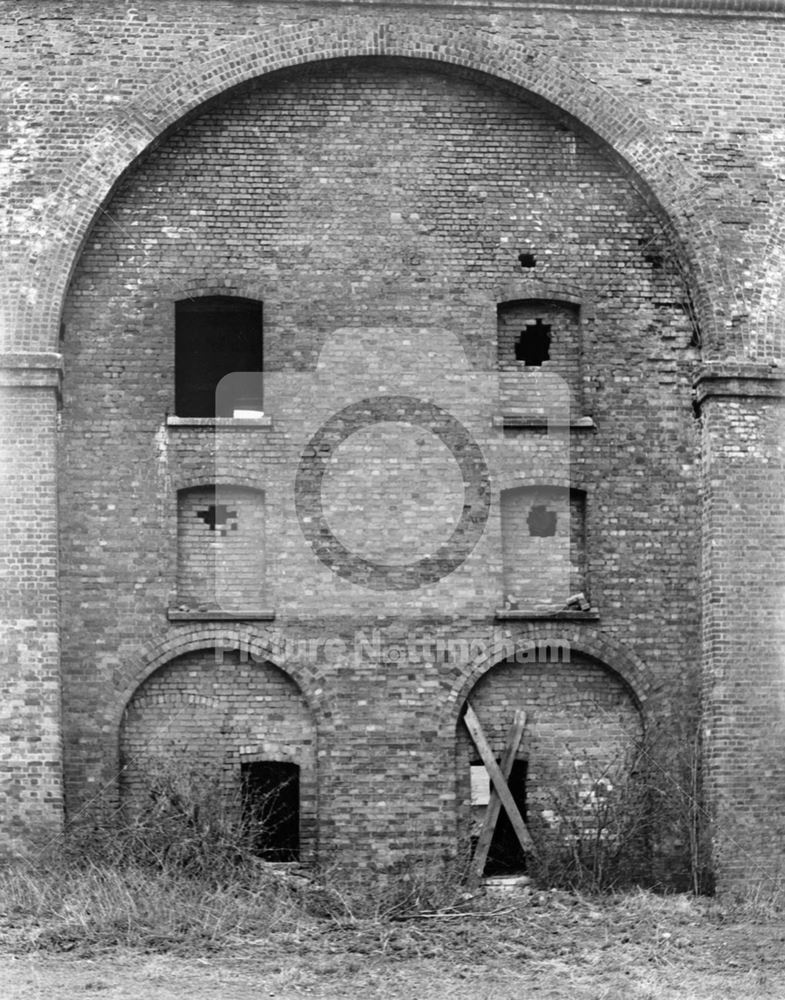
[(492, 810), (486, 754)]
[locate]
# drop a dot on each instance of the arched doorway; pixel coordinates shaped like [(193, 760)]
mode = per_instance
[(574, 770), (230, 738)]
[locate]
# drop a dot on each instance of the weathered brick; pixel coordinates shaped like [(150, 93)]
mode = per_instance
[(373, 175)]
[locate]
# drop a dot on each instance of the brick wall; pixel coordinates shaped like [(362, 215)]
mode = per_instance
[(377, 206), (711, 163), (744, 620), (31, 795)]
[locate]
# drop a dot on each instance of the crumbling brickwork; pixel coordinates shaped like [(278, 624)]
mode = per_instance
[(382, 180)]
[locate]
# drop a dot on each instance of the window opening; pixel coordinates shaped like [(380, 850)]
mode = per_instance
[(271, 809), (533, 345), (216, 336)]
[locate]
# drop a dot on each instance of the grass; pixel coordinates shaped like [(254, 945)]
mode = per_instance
[(84, 904), (346, 934), (88, 904), (94, 905)]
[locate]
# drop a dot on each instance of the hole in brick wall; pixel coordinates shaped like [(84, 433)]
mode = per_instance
[(505, 856), (217, 336), (218, 517), (534, 344), (651, 254), (541, 521), (527, 259), (271, 808)]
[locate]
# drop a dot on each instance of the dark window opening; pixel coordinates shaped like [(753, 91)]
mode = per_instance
[(527, 260), (541, 521), (534, 343), (271, 809), (216, 336), (505, 856)]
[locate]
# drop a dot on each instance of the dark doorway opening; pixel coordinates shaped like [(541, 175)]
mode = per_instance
[(505, 856), (271, 809)]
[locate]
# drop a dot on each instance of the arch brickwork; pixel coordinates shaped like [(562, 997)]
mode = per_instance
[(574, 636), (670, 185)]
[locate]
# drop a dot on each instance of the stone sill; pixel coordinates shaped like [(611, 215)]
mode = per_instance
[(227, 422), (509, 614), (251, 615), (507, 420)]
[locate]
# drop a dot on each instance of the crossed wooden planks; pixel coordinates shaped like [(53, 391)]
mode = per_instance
[(500, 794)]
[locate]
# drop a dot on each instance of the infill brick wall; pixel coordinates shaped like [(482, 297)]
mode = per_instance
[(377, 209), (220, 548)]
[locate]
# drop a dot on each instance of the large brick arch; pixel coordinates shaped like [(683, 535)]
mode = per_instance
[(668, 185)]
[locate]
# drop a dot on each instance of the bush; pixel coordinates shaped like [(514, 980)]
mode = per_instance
[(637, 820), (594, 833)]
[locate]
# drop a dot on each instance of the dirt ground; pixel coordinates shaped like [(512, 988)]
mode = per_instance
[(552, 946)]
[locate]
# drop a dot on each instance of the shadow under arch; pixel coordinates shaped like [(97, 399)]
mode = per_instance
[(661, 177)]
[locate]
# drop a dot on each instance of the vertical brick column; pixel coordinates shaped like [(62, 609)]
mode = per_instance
[(30, 737), (743, 414)]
